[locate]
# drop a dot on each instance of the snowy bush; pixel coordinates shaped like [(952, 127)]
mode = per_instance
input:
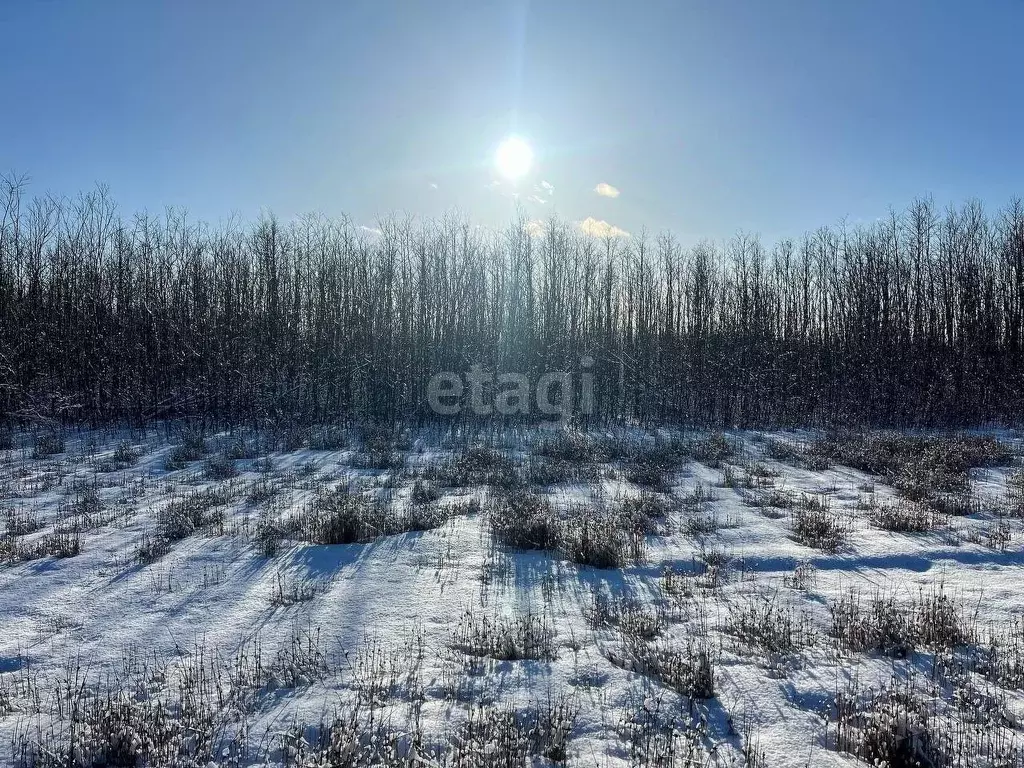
[(763, 621), (342, 516), (48, 444), (524, 521), (521, 636), (688, 670), (220, 467), (905, 517), (816, 525), (934, 620), (181, 517), (601, 538), (192, 448), (476, 466), (424, 492)]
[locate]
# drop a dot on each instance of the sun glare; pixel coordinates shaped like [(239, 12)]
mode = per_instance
[(513, 158)]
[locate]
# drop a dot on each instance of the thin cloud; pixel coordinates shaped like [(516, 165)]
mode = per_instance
[(370, 230), (606, 190), (600, 228), (535, 228), (537, 199), (547, 187), (433, 185)]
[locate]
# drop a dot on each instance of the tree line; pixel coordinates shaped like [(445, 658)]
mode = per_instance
[(913, 320)]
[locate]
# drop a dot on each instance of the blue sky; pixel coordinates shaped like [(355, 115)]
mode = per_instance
[(707, 117)]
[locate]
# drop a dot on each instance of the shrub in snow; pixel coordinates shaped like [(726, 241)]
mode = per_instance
[(522, 636), (803, 577), (261, 491), (905, 517), (600, 538), (61, 543), (570, 447), (816, 525), (677, 584), (524, 521), (323, 438), (300, 661), (48, 444), (476, 466), (22, 522), (712, 450), (645, 475), (463, 505), (123, 457), (700, 524), (664, 735), (104, 722), (240, 448), (6, 699), (892, 726), (688, 670), (585, 534), (220, 467), (363, 736), (87, 507), (548, 472), (342, 516), (288, 591), (192, 448), (183, 516), (268, 536), (954, 504), (1001, 660), (500, 737), (650, 466), (646, 512), (908, 722), (378, 458), (919, 468), (423, 517), (700, 497), (632, 619), (151, 548), (934, 620), (346, 516), (765, 622), (424, 492), (1015, 490)]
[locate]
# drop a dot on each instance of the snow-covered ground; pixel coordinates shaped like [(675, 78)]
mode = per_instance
[(252, 635)]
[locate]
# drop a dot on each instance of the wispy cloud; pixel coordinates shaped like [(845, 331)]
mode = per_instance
[(600, 228), (547, 187), (537, 199), (433, 185), (606, 190), (370, 230)]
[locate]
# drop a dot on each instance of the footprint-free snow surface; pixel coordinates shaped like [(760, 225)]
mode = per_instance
[(527, 599)]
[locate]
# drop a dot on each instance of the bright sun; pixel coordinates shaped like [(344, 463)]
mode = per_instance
[(514, 158)]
